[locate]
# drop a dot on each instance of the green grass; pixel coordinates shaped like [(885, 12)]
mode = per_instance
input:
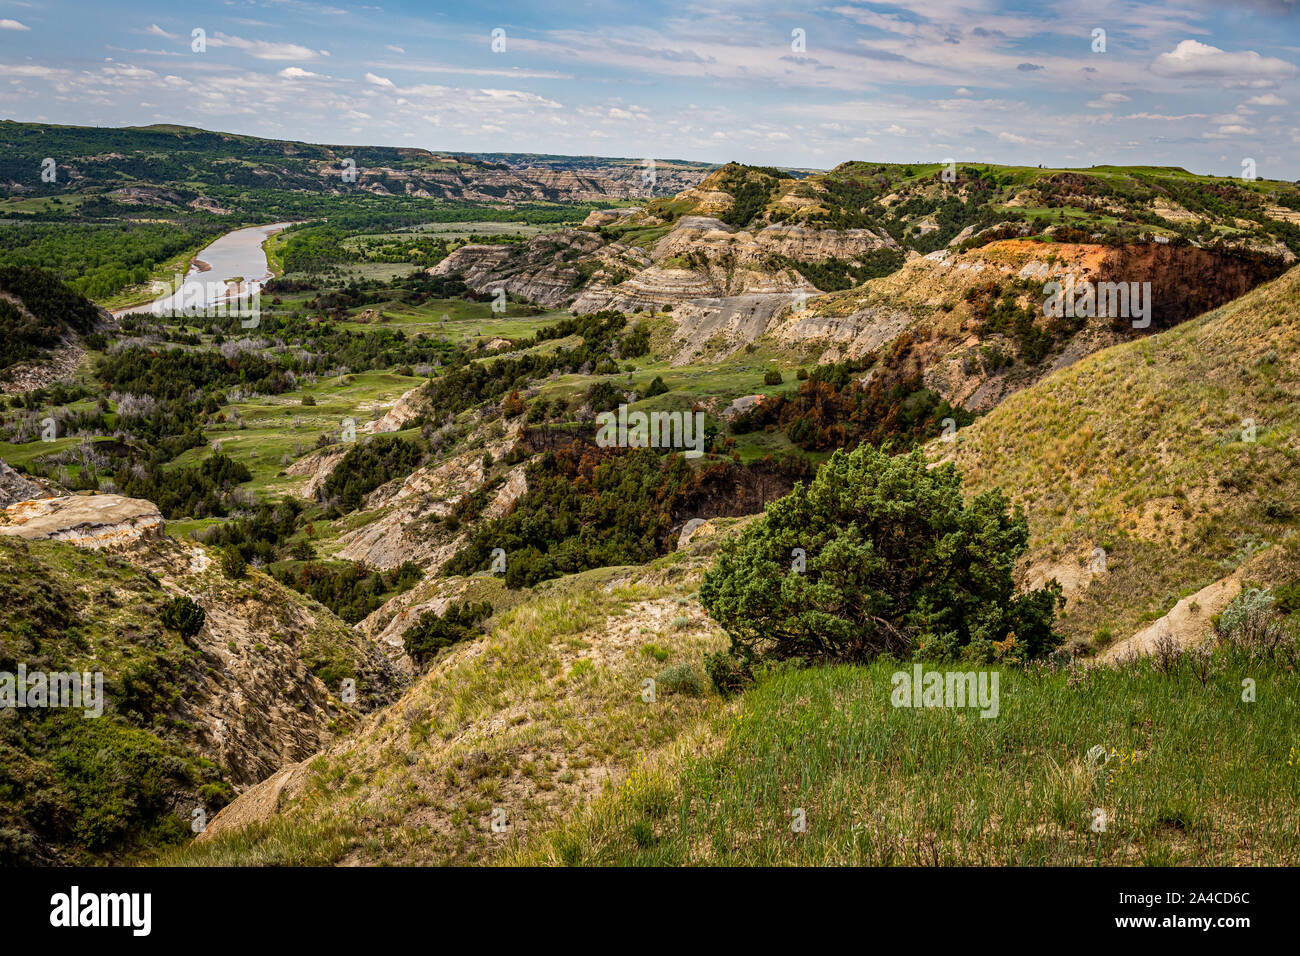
[(880, 785), (280, 427), (1138, 448), (458, 320), (531, 720)]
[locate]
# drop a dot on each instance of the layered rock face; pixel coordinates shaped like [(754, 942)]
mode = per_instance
[(928, 299), (15, 487), (88, 521), (542, 270), (701, 257), (258, 705), (408, 508), (404, 410), (497, 184), (716, 240)]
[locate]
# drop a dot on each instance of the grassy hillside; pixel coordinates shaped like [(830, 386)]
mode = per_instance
[(925, 206), (1137, 449), (77, 789), (187, 718), (880, 785), (1177, 454), (531, 720)]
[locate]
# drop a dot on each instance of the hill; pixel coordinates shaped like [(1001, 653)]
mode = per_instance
[(187, 719), (178, 165), (1175, 454), (1138, 447), (39, 314), (753, 230)]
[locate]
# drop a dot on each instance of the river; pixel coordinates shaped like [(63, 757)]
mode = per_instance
[(236, 255)]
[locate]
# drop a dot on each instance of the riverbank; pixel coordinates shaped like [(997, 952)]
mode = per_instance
[(229, 256)]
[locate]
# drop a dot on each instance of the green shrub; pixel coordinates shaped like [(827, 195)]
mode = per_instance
[(183, 616), (657, 387), (1244, 610), (1286, 598), (896, 561), (660, 654), (772, 377), (433, 633), (1250, 625), (233, 564), (680, 679), (727, 675)]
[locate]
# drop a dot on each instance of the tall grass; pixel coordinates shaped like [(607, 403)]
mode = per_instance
[(1197, 776)]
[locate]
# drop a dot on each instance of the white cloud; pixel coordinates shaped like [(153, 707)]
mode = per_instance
[(1192, 59), (1108, 99), (514, 73), (380, 81), (157, 31), (1266, 99), (13, 25), (263, 49), (395, 49), (27, 70), (296, 73)]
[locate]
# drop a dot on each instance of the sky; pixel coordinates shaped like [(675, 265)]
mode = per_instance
[(1203, 84)]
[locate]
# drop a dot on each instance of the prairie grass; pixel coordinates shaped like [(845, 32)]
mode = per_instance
[(530, 720), (1194, 776), (1146, 449)]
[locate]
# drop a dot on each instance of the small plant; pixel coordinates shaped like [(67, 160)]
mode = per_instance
[(660, 654), (232, 563), (1249, 624), (656, 387), (680, 679), (772, 377), (726, 673), (183, 616), (1166, 653)]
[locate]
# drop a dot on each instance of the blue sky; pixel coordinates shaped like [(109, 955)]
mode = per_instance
[(1195, 83)]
